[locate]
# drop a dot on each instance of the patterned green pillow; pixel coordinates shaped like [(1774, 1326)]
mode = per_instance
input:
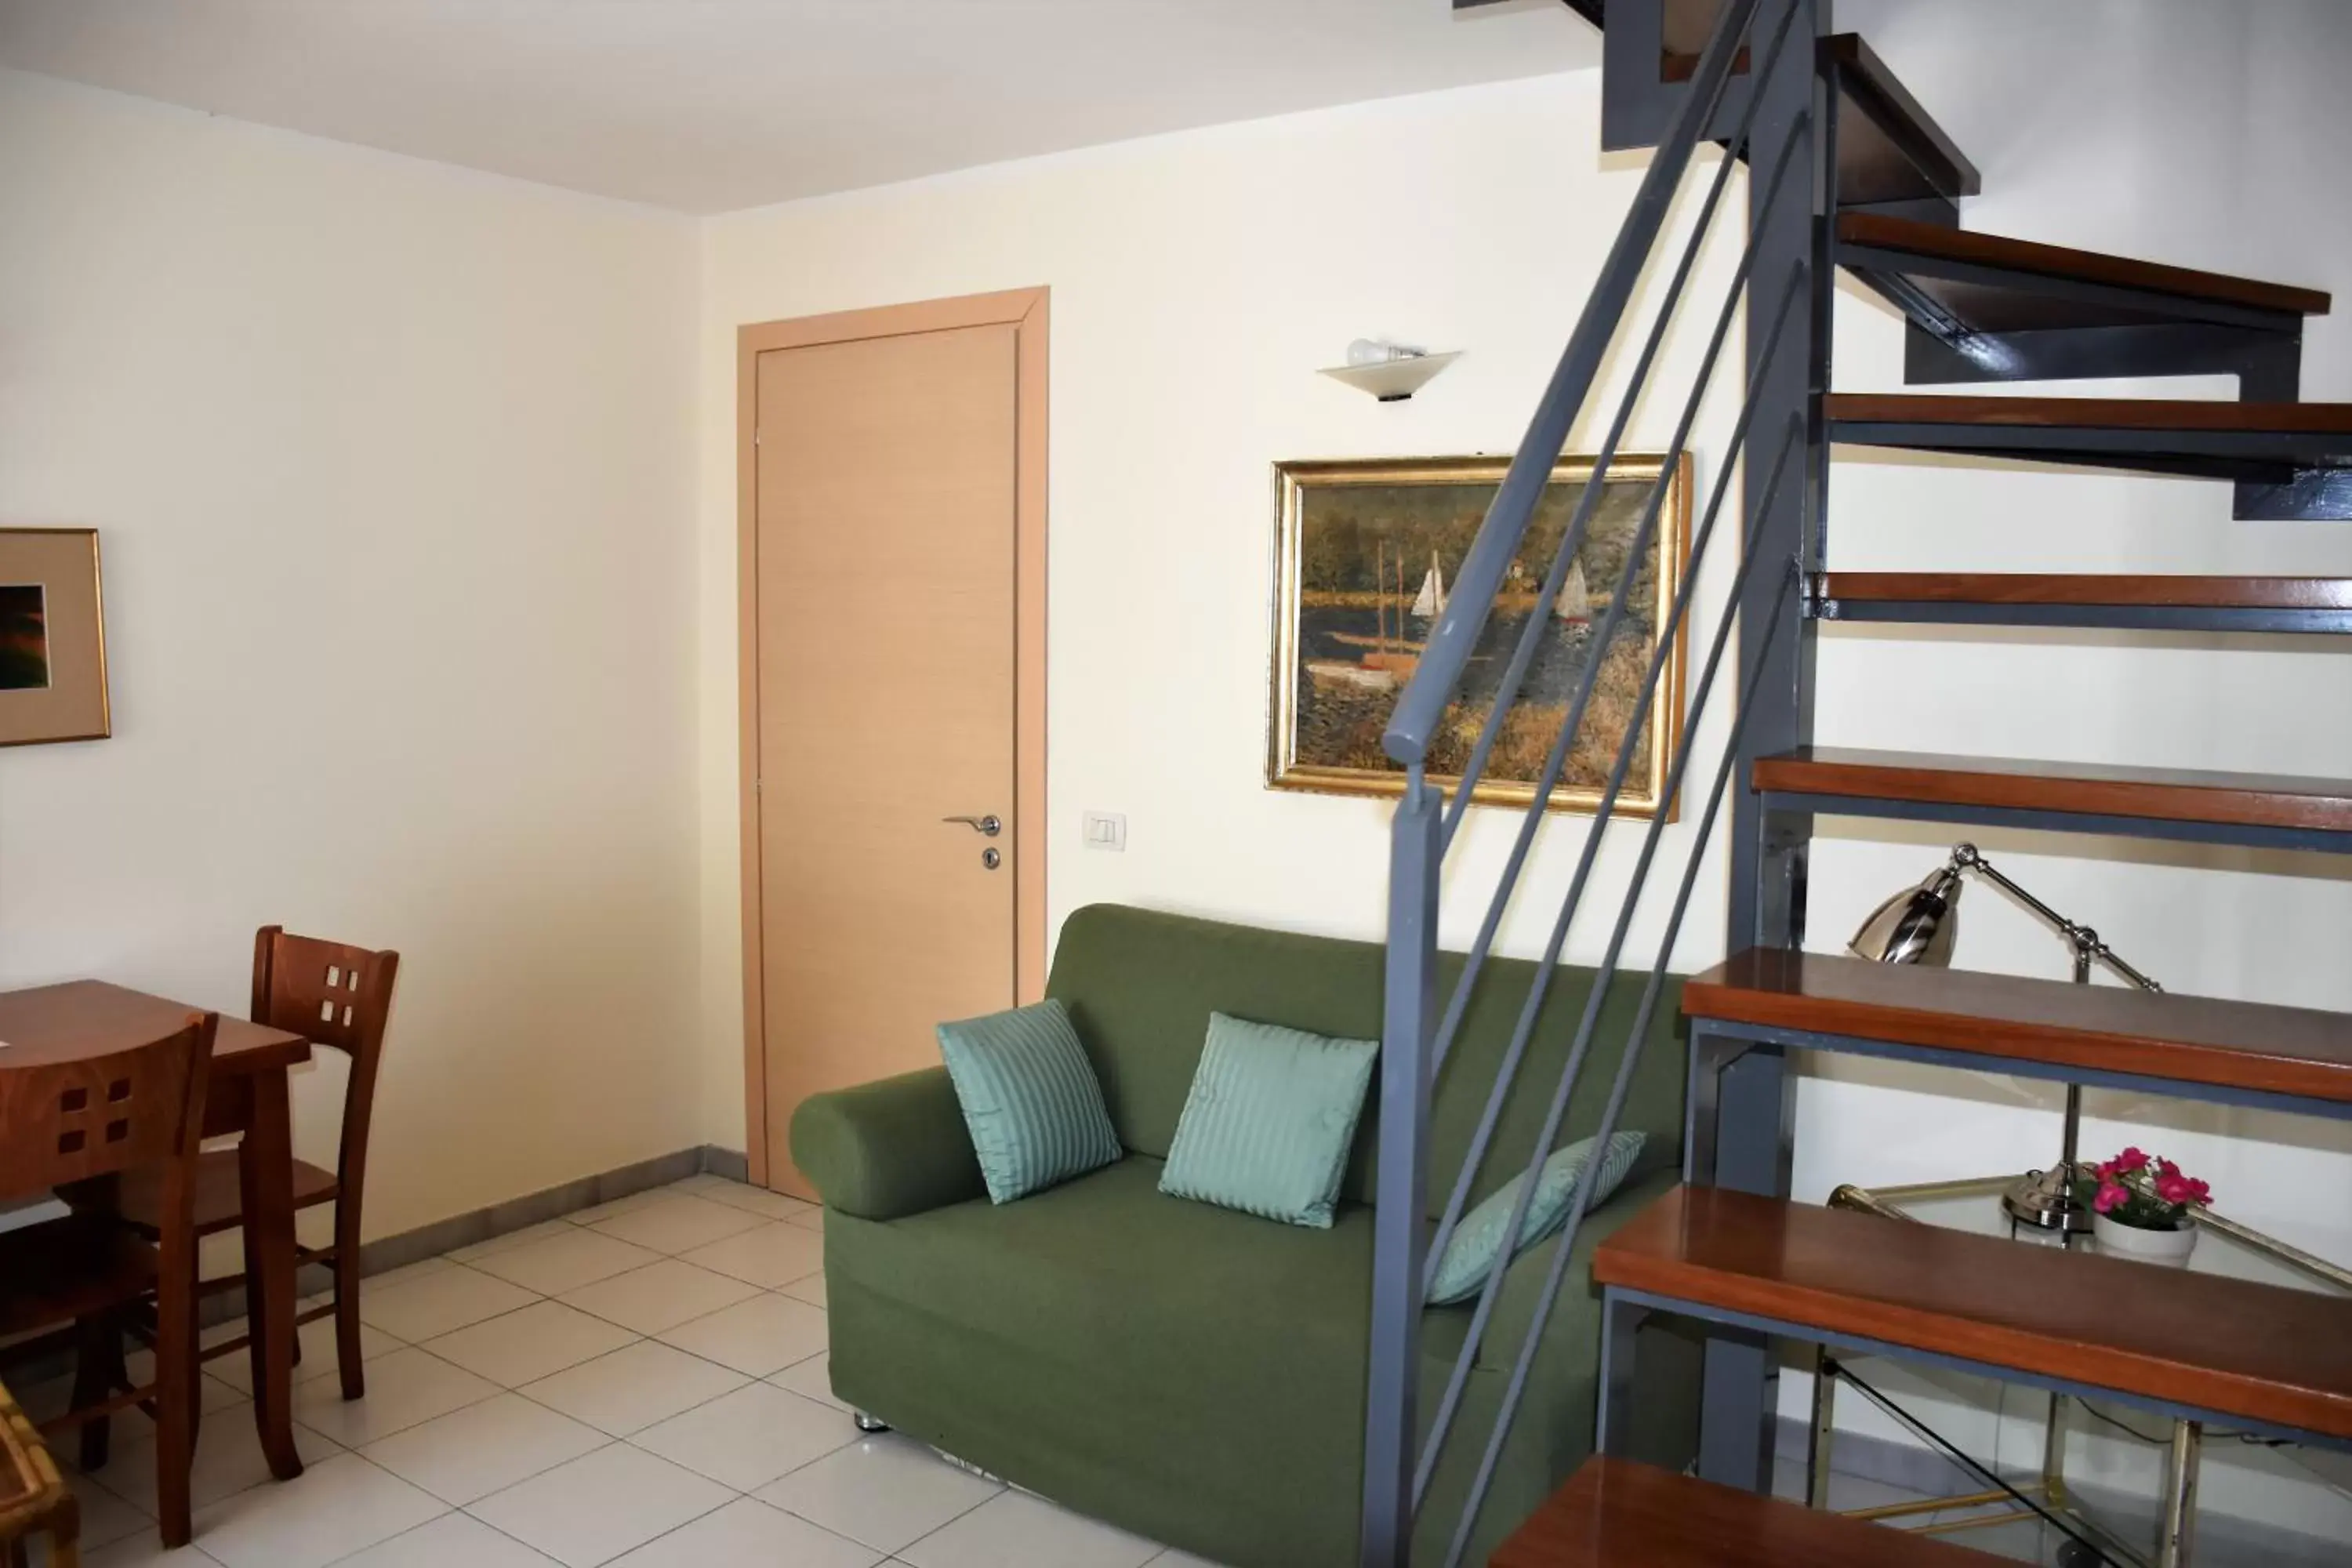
[(1029, 1097), (1266, 1127), (1478, 1238)]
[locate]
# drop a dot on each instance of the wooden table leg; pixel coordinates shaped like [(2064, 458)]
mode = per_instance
[(265, 1168)]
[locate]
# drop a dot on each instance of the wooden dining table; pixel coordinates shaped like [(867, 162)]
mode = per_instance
[(83, 1019)]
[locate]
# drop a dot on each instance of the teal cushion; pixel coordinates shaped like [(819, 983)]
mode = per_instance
[(1478, 1239), (1029, 1098), (1266, 1127)]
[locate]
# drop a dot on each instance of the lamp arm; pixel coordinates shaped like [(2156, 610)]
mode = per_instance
[(2087, 946)]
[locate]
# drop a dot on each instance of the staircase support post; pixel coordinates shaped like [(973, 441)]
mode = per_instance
[(1400, 1224), (1753, 1092)]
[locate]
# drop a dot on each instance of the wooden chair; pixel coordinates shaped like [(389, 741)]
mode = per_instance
[(139, 1111), (33, 1497), (332, 994)]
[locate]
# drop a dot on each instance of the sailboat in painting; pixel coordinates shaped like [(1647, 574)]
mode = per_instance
[(1430, 603), (1575, 602)]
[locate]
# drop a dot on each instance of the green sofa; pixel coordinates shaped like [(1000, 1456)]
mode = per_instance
[(1190, 1374)]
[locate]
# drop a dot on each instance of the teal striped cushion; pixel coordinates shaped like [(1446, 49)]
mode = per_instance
[(1030, 1097), (1266, 1127), (1478, 1238)]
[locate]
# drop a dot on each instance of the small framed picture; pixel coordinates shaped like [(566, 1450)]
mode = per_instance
[(1364, 556), (52, 637)]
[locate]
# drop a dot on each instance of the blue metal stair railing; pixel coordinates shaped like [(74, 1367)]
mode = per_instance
[(1398, 1461)]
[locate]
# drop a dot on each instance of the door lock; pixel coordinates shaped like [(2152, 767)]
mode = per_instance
[(991, 857)]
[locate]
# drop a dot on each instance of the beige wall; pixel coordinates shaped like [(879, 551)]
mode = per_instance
[(1197, 282), (391, 467)]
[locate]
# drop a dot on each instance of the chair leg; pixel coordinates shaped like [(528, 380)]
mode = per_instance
[(14, 1553), (347, 1304), (97, 1361), (176, 1403)]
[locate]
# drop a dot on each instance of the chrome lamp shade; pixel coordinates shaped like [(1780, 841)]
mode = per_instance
[(1919, 925)]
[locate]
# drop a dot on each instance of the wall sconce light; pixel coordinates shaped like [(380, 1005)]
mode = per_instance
[(1389, 372)]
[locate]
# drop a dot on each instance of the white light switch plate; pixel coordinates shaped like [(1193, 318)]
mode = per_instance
[(1106, 830)]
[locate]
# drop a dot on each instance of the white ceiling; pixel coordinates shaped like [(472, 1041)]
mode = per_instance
[(712, 105)]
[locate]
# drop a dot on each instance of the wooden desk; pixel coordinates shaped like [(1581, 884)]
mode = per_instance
[(247, 1096)]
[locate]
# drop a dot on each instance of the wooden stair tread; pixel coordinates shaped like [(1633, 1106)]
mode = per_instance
[(1889, 147), (2170, 794), (2205, 1342), (1614, 1513), (2091, 589), (2142, 413), (1928, 240), (2295, 1051)]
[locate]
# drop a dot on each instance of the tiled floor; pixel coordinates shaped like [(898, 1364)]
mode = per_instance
[(642, 1384)]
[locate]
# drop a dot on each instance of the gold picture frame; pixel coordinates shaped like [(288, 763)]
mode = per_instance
[(52, 638), (1363, 550)]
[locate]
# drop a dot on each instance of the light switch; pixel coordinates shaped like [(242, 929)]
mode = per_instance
[(1106, 830)]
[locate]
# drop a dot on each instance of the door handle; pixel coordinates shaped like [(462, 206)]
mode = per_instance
[(988, 825)]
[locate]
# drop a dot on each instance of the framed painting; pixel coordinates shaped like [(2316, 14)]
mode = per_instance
[(1363, 554), (52, 637)]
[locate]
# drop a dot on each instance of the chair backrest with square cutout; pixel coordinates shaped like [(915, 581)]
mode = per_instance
[(66, 1121), (332, 993)]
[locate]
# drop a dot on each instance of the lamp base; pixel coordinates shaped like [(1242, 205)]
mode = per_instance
[(2045, 1200)]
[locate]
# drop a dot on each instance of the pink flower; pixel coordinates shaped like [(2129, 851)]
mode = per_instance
[(2174, 1189), (2110, 1195), (2131, 1160), (2106, 1171), (2198, 1191), (2167, 1168)]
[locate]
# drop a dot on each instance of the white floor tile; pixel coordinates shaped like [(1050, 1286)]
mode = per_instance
[(811, 1219), (318, 1352), (631, 1389), (555, 1264), (331, 1510), (812, 1379), (144, 1550), (749, 1437), (404, 1389), (659, 1296), (777, 1253), (418, 1307), (511, 1239), (762, 1335), (407, 1271), (468, 1454), (618, 1206), (106, 1517), (228, 1460), (602, 1505), (887, 1491), (754, 1200), (677, 1224), (748, 1535), (453, 1541), (537, 1341), (811, 1290), (1014, 1530)]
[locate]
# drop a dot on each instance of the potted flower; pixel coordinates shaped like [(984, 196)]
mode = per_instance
[(2142, 1207)]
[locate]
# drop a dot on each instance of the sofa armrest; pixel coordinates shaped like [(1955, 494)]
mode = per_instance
[(888, 1149)]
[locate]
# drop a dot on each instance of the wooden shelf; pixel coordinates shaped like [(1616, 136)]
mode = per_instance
[(1614, 1513), (2203, 1342), (2186, 1040), (2088, 789)]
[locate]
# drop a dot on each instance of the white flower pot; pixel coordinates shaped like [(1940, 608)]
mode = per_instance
[(2164, 1248)]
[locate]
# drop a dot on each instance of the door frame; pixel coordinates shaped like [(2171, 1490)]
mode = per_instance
[(1026, 310)]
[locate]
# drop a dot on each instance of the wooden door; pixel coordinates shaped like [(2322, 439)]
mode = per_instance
[(884, 502)]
